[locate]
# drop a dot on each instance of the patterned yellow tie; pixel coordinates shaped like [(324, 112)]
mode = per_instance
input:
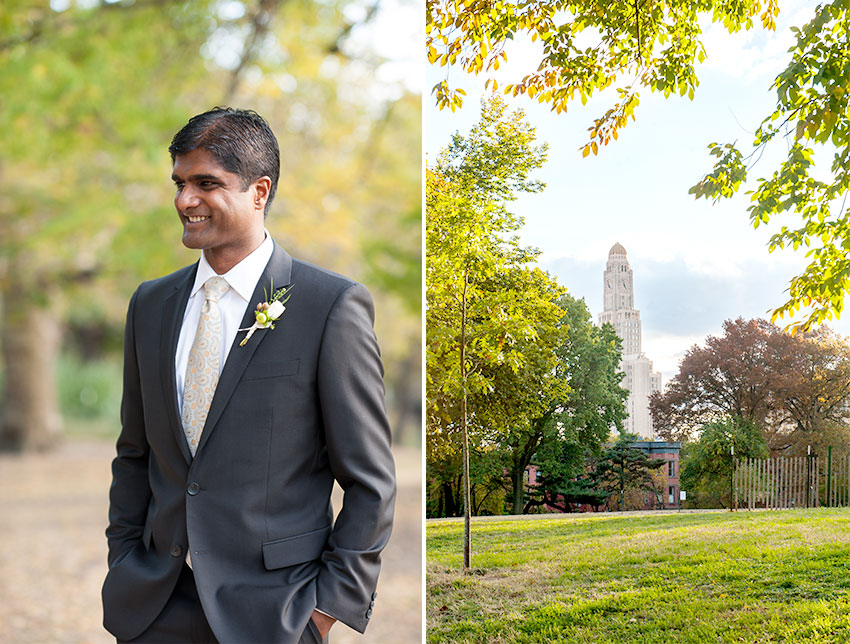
[(203, 367)]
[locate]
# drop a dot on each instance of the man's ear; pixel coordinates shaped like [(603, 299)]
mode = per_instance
[(262, 187)]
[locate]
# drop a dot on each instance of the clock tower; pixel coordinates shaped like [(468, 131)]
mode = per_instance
[(619, 300), (619, 312)]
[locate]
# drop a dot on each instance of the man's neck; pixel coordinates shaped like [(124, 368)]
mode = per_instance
[(222, 260)]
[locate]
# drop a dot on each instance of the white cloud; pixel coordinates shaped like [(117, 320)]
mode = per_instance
[(765, 53), (667, 350), (729, 257)]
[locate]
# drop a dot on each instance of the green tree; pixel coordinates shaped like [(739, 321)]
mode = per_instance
[(811, 121), (622, 467), (472, 326), (578, 423), (73, 177), (513, 413), (706, 464), (445, 483), (564, 494), (588, 46)]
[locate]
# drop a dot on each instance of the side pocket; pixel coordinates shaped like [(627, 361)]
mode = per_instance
[(146, 535), (299, 548), (124, 555), (148, 529)]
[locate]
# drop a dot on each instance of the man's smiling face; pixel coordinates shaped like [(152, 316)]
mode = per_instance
[(218, 216)]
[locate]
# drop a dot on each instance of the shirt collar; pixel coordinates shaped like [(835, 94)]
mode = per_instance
[(243, 277)]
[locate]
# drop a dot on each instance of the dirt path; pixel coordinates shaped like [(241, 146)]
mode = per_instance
[(53, 550)]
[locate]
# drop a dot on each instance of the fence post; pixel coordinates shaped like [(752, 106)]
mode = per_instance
[(829, 476), (784, 467), (768, 495), (808, 474), (732, 480)]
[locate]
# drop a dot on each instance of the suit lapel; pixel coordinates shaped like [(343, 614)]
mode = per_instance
[(172, 319), (279, 271)]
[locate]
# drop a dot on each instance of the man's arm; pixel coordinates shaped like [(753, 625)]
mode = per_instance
[(351, 394), (130, 493)]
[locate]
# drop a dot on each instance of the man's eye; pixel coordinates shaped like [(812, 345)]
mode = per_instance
[(208, 184), (178, 185)]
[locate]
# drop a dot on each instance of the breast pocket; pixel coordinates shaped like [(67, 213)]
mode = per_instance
[(271, 369)]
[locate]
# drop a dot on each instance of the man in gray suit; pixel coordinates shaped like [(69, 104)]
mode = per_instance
[(220, 521)]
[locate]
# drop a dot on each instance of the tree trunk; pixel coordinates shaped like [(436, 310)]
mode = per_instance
[(30, 418), (407, 395), (518, 489), (467, 505), (522, 459), (450, 506), (467, 501)]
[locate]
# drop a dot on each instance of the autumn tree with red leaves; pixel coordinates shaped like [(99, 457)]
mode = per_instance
[(795, 388), (730, 376)]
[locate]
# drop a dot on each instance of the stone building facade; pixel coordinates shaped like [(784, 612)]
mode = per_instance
[(619, 311)]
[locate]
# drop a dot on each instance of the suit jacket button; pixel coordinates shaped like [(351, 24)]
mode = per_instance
[(193, 488), (176, 550), (375, 595), (368, 613)]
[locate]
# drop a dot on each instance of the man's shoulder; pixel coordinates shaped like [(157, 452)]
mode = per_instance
[(327, 290), (167, 284), (318, 280)]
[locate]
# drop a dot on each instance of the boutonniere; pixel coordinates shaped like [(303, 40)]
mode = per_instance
[(269, 311)]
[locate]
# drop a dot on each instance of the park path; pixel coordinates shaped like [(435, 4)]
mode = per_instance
[(53, 511)]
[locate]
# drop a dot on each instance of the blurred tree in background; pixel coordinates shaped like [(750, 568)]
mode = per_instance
[(707, 462), (91, 93)]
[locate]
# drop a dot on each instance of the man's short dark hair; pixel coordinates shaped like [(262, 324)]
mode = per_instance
[(240, 140)]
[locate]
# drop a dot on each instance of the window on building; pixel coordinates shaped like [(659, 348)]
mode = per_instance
[(671, 468), (671, 495)]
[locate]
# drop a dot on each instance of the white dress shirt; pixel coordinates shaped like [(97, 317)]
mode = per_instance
[(242, 280)]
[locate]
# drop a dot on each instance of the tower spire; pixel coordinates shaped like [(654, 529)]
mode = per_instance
[(619, 299)]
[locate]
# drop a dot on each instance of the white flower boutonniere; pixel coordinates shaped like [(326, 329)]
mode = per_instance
[(269, 311)]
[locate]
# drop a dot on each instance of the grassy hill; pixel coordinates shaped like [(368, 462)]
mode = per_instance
[(752, 577)]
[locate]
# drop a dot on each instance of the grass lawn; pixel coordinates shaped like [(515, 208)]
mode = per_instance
[(755, 577)]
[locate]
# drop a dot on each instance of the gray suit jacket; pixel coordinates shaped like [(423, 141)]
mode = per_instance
[(297, 407)]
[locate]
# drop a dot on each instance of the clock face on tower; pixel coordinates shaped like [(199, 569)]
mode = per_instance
[(624, 283)]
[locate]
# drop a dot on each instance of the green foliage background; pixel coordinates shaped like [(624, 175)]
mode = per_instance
[(516, 370), (706, 464), (90, 96)]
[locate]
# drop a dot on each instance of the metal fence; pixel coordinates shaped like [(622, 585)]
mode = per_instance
[(791, 482)]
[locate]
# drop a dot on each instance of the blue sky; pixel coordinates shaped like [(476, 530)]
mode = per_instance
[(695, 264)]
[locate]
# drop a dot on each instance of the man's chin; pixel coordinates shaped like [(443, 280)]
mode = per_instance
[(193, 240)]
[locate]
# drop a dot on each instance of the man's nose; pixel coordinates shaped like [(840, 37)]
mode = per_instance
[(186, 198)]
